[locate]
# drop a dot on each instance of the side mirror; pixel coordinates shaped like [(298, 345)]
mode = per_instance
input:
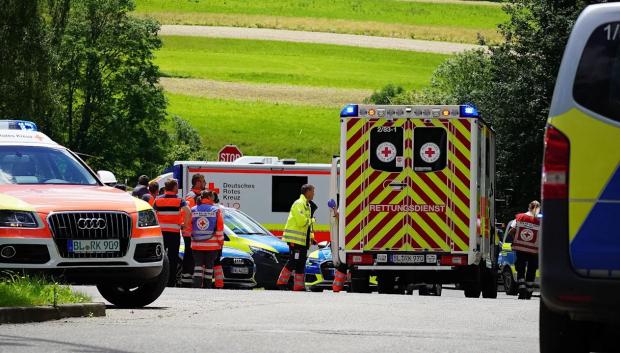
[(323, 244), (107, 177)]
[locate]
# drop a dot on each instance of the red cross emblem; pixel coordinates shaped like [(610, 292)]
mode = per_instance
[(386, 152), (202, 223), (212, 187), (430, 152)]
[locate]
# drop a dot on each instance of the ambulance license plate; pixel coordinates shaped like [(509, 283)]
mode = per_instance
[(93, 246), (408, 259), (239, 270)]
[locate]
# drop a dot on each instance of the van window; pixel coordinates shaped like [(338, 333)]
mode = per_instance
[(386, 148), (597, 82), (284, 191), (429, 149)]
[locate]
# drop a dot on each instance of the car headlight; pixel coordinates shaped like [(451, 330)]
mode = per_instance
[(146, 219), (18, 219), (264, 253)]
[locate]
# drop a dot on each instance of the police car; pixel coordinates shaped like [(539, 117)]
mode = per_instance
[(58, 216), (238, 267), (580, 241)]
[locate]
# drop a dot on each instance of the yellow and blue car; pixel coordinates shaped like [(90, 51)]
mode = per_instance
[(580, 241)]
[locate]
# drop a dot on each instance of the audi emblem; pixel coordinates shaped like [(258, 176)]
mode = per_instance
[(91, 223), (238, 261)]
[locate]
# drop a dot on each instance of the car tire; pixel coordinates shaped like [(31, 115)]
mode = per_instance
[(558, 333), (489, 282), (316, 289), (136, 296), (510, 286)]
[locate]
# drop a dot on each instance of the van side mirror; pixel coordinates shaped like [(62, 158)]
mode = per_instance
[(107, 177)]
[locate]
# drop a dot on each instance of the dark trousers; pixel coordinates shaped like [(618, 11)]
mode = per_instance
[(526, 266), (297, 260), (188, 263), (172, 241), (204, 261)]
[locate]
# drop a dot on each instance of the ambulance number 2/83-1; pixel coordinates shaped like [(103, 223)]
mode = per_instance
[(383, 129)]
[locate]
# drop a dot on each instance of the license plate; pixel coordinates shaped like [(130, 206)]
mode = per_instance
[(93, 246), (239, 270), (408, 259)]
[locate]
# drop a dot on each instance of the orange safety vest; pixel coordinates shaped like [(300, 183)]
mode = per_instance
[(526, 235), (216, 242), (168, 210)]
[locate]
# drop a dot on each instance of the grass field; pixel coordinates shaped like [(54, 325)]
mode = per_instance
[(310, 134), (448, 21), (25, 291), (237, 60)]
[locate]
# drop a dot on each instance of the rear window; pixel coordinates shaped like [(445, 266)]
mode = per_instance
[(597, 82), (386, 148), (429, 149)]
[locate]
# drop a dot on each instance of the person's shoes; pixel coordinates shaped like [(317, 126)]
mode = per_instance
[(523, 294)]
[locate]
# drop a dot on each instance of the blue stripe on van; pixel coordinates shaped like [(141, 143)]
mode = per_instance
[(597, 244)]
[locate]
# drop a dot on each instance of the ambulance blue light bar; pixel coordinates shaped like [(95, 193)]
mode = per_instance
[(18, 125), (468, 111), (349, 110)]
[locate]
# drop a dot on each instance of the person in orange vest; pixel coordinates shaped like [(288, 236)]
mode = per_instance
[(152, 194), (298, 234), (207, 239), (526, 230), (198, 185), (173, 215)]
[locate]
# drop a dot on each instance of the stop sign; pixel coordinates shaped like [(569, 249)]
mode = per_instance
[(229, 153)]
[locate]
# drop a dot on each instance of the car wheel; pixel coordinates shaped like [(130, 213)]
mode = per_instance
[(136, 296), (316, 289), (510, 286), (558, 333)]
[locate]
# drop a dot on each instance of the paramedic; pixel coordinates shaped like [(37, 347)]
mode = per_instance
[(526, 229), (173, 215), (298, 233), (207, 239)]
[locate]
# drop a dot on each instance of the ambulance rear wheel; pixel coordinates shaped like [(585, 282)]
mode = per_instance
[(471, 285), (489, 282), (360, 281), (136, 296), (386, 281)]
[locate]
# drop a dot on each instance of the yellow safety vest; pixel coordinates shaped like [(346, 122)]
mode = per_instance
[(299, 219)]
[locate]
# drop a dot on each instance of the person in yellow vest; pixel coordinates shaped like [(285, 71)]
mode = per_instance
[(298, 234)]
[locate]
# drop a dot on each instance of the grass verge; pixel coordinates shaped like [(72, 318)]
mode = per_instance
[(449, 21), (307, 133), (319, 65), (18, 290)]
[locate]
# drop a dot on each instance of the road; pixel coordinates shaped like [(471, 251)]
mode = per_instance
[(317, 37), (188, 320)]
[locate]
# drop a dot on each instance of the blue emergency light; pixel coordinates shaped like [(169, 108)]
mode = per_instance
[(349, 110), (18, 125), (468, 111)]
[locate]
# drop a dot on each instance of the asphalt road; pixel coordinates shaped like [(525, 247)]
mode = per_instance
[(187, 320)]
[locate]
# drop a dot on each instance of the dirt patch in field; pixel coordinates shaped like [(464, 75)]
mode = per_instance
[(285, 94)]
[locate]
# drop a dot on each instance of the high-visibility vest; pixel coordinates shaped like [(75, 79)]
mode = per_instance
[(526, 235), (298, 222), (191, 201), (169, 215), (207, 227)]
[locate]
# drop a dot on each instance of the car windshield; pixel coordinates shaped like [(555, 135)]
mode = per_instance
[(41, 165), (239, 223)]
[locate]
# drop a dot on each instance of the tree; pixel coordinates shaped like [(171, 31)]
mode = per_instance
[(511, 84), (83, 70)]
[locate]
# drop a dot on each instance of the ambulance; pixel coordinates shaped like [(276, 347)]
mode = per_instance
[(415, 198), (263, 187)]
